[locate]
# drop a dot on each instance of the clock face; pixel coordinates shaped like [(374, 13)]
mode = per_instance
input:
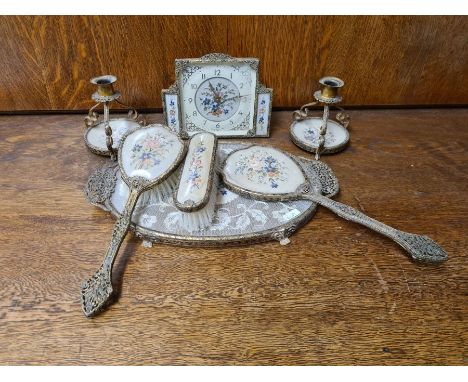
[(218, 97)]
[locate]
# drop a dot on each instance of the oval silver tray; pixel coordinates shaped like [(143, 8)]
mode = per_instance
[(237, 219)]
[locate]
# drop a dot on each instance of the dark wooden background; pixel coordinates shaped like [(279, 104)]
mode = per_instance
[(46, 62)]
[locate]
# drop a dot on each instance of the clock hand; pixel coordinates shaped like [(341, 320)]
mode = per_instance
[(212, 89), (216, 96), (229, 99)]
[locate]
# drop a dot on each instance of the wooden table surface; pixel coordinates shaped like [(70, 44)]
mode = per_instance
[(338, 294)]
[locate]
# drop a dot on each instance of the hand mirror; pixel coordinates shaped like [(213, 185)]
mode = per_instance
[(269, 174), (147, 156)]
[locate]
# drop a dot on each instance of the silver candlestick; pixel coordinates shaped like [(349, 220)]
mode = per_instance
[(309, 132), (100, 137), (328, 94)]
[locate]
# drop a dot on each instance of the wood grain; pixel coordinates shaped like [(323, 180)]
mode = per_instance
[(47, 61), (338, 294), (386, 60), (22, 85)]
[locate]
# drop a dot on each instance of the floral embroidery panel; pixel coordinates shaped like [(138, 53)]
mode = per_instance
[(263, 114), (194, 179), (172, 112), (260, 166), (150, 150), (312, 134)]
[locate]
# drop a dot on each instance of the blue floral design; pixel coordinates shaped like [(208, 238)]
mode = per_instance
[(149, 150), (220, 99), (194, 177), (263, 168)]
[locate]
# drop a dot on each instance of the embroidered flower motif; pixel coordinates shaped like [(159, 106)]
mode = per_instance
[(219, 100), (262, 167), (262, 112), (173, 120), (196, 166), (149, 151), (311, 134)]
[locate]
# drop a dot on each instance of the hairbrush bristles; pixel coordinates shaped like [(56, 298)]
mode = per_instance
[(160, 192), (201, 219)]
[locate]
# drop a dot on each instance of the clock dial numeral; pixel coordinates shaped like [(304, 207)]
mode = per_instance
[(195, 113), (217, 72), (190, 100), (194, 86), (203, 76)]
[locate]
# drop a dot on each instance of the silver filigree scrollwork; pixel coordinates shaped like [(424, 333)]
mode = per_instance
[(328, 181), (97, 291), (303, 188), (139, 182), (133, 114), (284, 233), (343, 118), (100, 185), (187, 70), (322, 132), (92, 118), (420, 248), (304, 112), (244, 125)]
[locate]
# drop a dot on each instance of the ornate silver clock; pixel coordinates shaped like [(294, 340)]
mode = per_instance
[(220, 94)]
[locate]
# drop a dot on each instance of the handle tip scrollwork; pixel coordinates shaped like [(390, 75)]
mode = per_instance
[(96, 293), (422, 248)]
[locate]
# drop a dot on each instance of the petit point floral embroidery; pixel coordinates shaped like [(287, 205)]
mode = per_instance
[(196, 166), (262, 167), (149, 150)]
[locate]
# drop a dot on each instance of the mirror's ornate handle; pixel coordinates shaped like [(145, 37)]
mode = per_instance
[(97, 291), (420, 248)]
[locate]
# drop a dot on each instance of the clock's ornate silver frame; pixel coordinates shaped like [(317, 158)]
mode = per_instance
[(172, 104)]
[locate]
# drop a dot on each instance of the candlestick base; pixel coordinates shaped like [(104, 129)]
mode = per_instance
[(306, 135), (103, 134)]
